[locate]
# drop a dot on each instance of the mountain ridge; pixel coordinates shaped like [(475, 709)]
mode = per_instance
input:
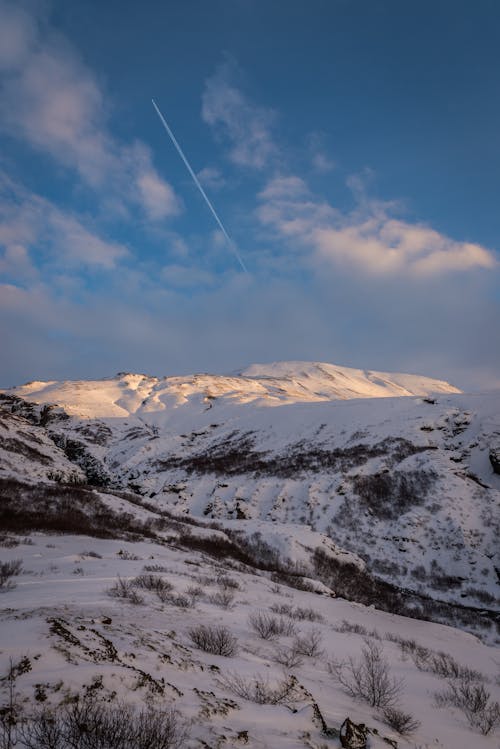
[(272, 384)]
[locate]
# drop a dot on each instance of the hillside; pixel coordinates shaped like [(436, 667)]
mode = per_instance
[(403, 483), (298, 511)]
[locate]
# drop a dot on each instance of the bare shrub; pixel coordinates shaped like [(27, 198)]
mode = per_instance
[(205, 580), (474, 701), (446, 667), (149, 581), (89, 724), (269, 627), (309, 644), (182, 601), (223, 598), (224, 581), (155, 568), (215, 640), (283, 609), (368, 677), (436, 662), (390, 495), (8, 542), (288, 657), (307, 614), (44, 730), (125, 589), (195, 592), (7, 571), (404, 723), (92, 554), (302, 614), (347, 626), (258, 689)]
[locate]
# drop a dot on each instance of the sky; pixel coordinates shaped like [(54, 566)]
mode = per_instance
[(351, 149)]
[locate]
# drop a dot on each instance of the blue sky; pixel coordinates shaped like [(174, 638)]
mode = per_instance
[(350, 147)]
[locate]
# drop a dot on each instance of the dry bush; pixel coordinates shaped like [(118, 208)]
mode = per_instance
[(390, 495), (288, 657), (436, 662), (302, 614), (149, 581), (269, 627), (368, 677), (125, 589), (62, 508), (213, 639), (474, 701), (195, 592), (404, 723), (259, 690), (180, 600), (225, 582), (351, 627), (307, 614), (89, 724), (446, 667), (9, 570), (283, 609), (223, 598), (309, 644)]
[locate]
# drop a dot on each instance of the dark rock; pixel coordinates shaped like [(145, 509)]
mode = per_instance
[(495, 459), (352, 735)]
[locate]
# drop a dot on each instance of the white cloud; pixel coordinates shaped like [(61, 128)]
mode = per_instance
[(369, 239), (381, 246), (211, 178), (54, 236), (78, 246), (322, 163), (50, 99), (16, 262), (247, 127), (158, 198), (283, 188)]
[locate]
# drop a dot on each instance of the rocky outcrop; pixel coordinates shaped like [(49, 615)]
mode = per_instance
[(495, 459), (352, 735)]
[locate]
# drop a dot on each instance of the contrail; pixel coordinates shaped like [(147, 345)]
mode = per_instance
[(200, 188)]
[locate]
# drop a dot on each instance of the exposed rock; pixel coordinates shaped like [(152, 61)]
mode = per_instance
[(495, 459), (352, 735)]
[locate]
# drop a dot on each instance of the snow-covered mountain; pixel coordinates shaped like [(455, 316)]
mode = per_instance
[(262, 384), (270, 495), (404, 483)]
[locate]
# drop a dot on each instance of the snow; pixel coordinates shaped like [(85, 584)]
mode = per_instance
[(272, 384), (295, 441), (61, 581), (453, 523)]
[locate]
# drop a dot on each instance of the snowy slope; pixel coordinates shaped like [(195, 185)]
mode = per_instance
[(271, 384), (405, 483), (341, 485), (27, 452), (72, 637)]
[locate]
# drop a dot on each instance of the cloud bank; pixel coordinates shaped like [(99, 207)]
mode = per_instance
[(51, 100), (369, 240)]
